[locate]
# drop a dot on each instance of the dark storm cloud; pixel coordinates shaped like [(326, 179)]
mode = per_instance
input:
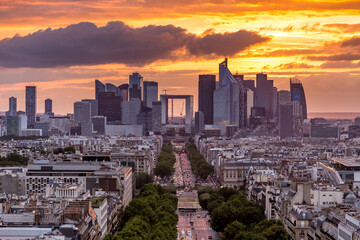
[(87, 44)]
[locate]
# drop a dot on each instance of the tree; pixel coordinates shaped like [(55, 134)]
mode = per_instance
[(232, 229), (163, 169), (69, 150), (276, 232), (136, 228), (249, 236), (204, 199), (142, 179)]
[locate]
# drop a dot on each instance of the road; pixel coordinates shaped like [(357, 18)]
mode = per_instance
[(194, 223), (201, 229)]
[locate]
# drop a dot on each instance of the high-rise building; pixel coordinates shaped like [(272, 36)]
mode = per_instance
[(199, 122), (274, 103), (150, 93), (250, 84), (99, 87), (14, 124), (124, 91), (264, 93), (82, 112), (286, 120), (48, 107), (228, 99), (284, 96), (130, 110), (249, 97), (99, 124), (94, 106), (109, 87), (30, 105), (110, 106), (12, 107), (298, 95), (144, 118), (135, 86), (156, 116), (207, 86)]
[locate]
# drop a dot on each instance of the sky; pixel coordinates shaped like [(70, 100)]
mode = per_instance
[(62, 46)]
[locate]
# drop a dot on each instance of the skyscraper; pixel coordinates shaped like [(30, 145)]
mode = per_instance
[(150, 93), (82, 112), (48, 107), (99, 87), (284, 96), (94, 106), (99, 124), (298, 95), (199, 122), (30, 105), (156, 116), (264, 93), (228, 98), (286, 120), (207, 86), (124, 92), (110, 106), (12, 107), (135, 86)]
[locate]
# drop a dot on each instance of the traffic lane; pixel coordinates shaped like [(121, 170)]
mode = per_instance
[(202, 229)]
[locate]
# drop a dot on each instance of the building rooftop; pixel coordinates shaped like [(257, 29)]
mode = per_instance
[(348, 162)]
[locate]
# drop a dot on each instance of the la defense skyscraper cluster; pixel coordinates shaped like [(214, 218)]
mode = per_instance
[(235, 102)]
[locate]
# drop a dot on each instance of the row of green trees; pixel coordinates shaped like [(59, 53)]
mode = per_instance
[(150, 216), (165, 165), (14, 159), (142, 179), (238, 218), (198, 164)]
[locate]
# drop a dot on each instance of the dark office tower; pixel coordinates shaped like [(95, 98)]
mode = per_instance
[(99, 87), (298, 95), (250, 84), (12, 107), (263, 94), (274, 103), (284, 96), (150, 93), (30, 105), (135, 86), (110, 106), (99, 124), (48, 106), (199, 122), (156, 117), (124, 91), (207, 86), (286, 120)]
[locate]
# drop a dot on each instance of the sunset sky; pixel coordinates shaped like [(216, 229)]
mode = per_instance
[(61, 46)]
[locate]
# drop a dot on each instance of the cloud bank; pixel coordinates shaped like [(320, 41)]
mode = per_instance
[(86, 44)]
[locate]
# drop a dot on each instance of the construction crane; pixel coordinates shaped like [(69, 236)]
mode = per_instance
[(182, 109), (167, 90)]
